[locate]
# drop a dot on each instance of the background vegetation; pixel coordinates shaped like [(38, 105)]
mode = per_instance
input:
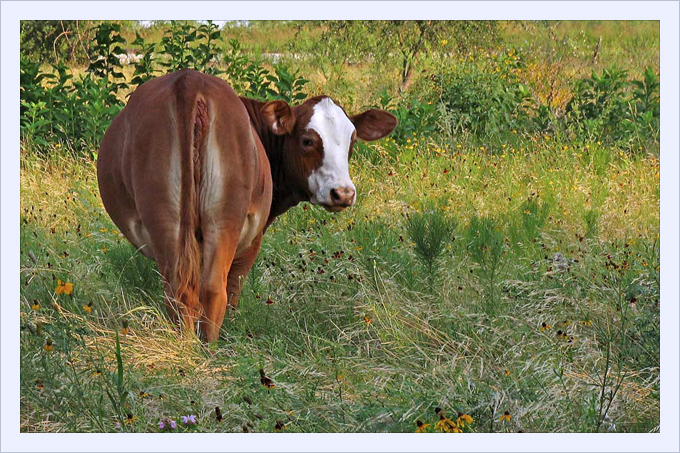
[(499, 273)]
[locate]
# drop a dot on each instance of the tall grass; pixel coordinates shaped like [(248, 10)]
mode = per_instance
[(356, 336), (483, 271)]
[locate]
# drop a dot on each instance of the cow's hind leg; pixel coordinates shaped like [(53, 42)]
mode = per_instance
[(219, 247), (239, 271), (164, 240)]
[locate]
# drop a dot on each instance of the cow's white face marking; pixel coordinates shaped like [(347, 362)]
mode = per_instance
[(335, 130)]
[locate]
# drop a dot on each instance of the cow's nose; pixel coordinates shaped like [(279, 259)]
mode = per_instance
[(342, 196)]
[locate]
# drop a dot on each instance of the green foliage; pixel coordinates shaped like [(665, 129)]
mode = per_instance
[(176, 45), (118, 399), (431, 231), (78, 111), (408, 40), (189, 46), (144, 68), (486, 246), (289, 85), (254, 80), (104, 62), (416, 116), (532, 216), (43, 41), (485, 98), (209, 47), (612, 108), (74, 112)]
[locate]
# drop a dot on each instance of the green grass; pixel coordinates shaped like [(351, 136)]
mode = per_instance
[(445, 286), (360, 337)]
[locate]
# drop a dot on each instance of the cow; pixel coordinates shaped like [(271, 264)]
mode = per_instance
[(193, 175)]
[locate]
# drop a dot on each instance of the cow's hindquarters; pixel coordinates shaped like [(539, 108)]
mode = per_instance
[(234, 198), (184, 178)]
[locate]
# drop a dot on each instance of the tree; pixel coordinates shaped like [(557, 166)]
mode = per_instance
[(53, 40), (407, 40)]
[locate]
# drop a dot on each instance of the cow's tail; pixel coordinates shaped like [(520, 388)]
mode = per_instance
[(192, 116)]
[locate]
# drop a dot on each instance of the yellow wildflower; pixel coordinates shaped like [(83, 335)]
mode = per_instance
[(49, 346), (422, 427), (63, 288), (464, 419), (36, 305), (446, 425), (87, 308), (505, 417)]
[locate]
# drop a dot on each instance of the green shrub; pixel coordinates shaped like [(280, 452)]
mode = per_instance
[(76, 113), (104, 62), (484, 98), (416, 116), (44, 41), (612, 108), (144, 68)]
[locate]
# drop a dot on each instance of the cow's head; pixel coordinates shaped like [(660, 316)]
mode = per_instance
[(318, 145)]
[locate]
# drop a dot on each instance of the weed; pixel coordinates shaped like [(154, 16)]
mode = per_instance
[(486, 246), (430, 231)]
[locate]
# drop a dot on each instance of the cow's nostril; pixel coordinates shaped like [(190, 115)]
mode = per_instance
[(342, 196)]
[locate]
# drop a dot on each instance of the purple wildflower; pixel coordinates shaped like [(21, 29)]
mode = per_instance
[(188, 419), (167, 424)]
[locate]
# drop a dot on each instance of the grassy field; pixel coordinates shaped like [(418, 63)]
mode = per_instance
[(517, 285)]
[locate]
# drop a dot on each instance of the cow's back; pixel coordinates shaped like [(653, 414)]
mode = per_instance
[(143, 160)]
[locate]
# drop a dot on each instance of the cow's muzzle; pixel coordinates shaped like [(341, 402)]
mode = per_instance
[(341, 198)]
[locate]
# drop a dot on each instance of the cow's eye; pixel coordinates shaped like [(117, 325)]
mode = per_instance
[(306, 142)]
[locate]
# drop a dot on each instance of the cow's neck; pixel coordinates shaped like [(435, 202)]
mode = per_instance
[(284, 196)]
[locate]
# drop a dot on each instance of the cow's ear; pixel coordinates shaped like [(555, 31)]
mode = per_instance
[(279, 117), (374, 124)]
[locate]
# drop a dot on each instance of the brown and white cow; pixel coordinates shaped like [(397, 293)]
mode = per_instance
[(193, 175)]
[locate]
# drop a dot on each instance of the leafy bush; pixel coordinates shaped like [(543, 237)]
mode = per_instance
[(48, 40), (485, 98), (77, 112), (104, 62), (612, 108), (144, 68), (189, 46), (416, 116)]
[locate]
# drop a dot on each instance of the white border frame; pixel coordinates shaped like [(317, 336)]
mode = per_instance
[(12, 12)]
